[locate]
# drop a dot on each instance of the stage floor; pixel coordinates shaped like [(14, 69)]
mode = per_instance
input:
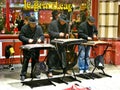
[(10, 80)]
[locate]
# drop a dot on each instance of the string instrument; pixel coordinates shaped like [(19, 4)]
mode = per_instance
[(71, 55), (41, 46)]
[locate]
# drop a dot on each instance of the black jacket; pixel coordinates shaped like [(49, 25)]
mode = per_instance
[(55, 28), (26, 33), (85, 30)]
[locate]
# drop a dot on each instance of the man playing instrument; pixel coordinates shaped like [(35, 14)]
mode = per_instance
[(58, 29), (87, 30), (30, 34)]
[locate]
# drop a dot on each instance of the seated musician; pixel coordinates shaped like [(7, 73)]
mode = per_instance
[(30, 33), (58, 29), (87, 30)]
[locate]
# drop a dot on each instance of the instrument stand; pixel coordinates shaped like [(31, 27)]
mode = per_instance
[(71, 77), (103, 72), (65, 43), (75, 76), (92, 44), (40, 82), (101, 68)]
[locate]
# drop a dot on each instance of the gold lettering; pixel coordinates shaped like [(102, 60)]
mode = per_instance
[(69, 7), (36, 5), (65, 7), (54, 5), (25, 4), (44, 5), (39, 5), (28, 5)]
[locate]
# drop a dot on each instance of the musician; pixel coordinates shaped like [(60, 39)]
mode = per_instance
[(58, 29), (30, 33), (55, 15), (87, 30)]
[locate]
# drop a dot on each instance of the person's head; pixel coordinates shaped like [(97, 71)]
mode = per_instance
[(26, 20), (55, 14), (91, 20), (32, 22), (63, 19)]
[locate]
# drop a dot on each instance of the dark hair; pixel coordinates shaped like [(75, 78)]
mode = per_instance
[(26, 18), (54, 14), (63, 17)]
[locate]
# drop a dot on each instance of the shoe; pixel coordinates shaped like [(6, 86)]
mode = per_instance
[(68, 72), (81, 71), (22, 78), (65, 71), (87, 71), (35, 76), (50, 74)]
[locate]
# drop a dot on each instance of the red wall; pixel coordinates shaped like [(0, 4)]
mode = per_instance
[(95, 10)]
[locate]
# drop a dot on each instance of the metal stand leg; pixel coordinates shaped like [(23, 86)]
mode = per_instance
[(105, 73), (75, 76)]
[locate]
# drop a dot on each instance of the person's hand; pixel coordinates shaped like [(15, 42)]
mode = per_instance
[(39, 41), (89, 38), (95, 37), (30, 40), (67, 36), (61, 34)]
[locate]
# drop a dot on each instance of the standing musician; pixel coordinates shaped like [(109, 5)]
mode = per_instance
[(58, 29), (30, 34), (87, 30), (55, 15)]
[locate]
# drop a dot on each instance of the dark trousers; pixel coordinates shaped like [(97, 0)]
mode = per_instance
[(34, 55), (57, 59)]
